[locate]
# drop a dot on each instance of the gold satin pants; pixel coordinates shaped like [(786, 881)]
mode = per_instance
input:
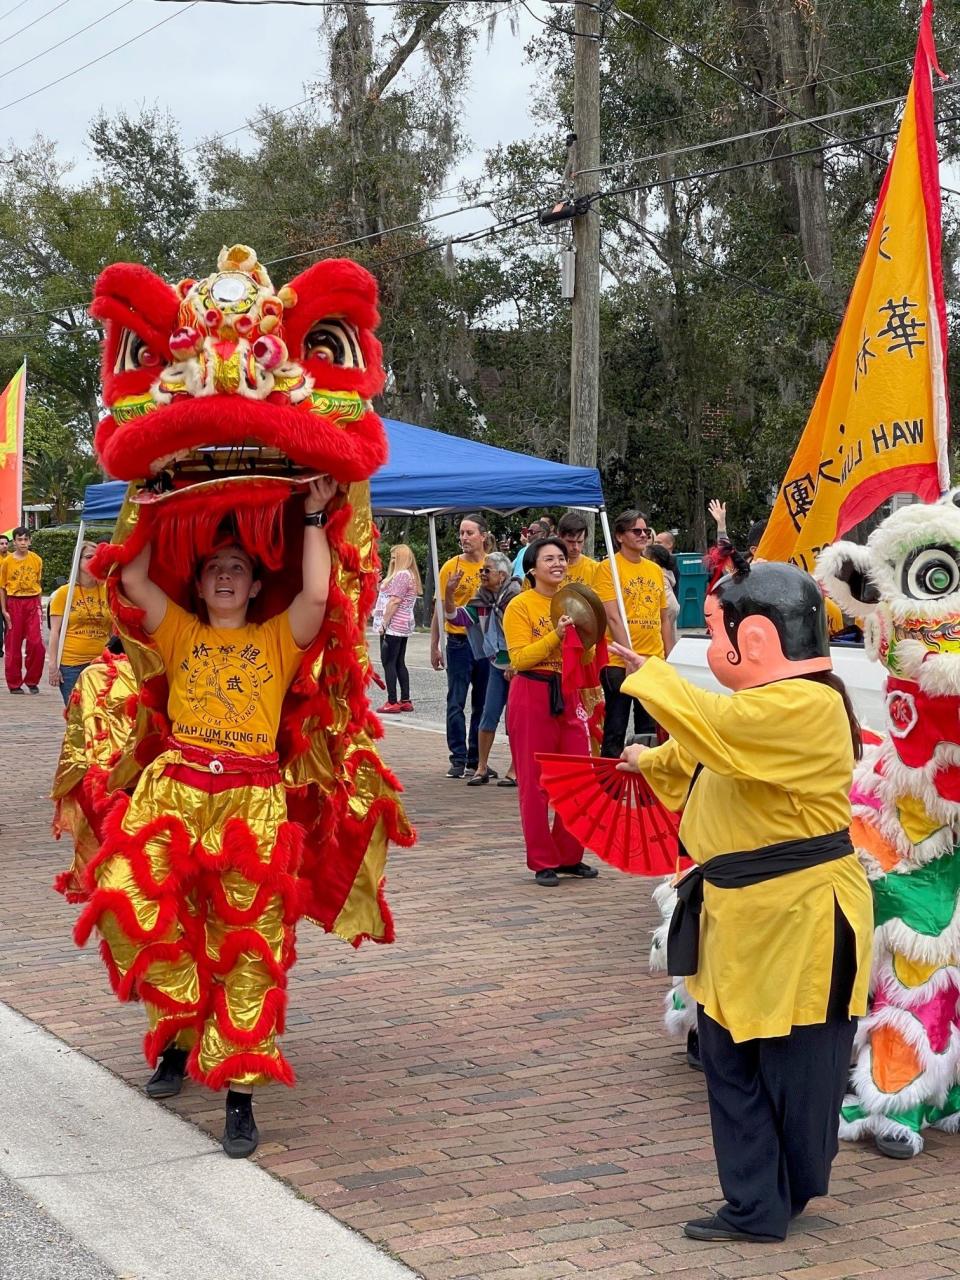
[(195, 896)]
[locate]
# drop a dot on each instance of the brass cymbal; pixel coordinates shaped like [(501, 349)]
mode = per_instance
[(584, 606)]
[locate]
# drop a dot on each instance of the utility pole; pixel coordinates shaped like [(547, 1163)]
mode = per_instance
[(585, 337)]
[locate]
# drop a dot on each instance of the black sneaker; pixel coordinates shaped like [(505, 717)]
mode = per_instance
[(455, 771), (582, 870), (167, 1080), (17, 690), (240, 1135), (34, 688), (548, 878)]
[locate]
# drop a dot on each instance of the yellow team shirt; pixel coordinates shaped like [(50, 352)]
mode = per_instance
[(226, 686), (21, 577), (777, 765), (583, 570), (532, 641), (89, 624), (644, 596), (468, 588)]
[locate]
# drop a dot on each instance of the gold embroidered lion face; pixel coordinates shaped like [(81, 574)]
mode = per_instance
[(220, 381)]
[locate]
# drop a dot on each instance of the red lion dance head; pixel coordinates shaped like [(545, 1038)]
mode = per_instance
[(225, 396)]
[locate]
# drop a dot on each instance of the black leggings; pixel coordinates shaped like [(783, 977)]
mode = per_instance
[(393, 653), (617, 711)]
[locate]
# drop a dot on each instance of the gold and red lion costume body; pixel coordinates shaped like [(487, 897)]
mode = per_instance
[(224, 397)]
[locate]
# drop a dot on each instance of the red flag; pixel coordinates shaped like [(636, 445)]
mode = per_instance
[(11, 450)]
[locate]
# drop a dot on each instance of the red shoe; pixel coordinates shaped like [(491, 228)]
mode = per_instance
[(389, 709), (406, 705)]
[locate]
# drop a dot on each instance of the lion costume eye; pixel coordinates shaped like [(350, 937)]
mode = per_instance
[(335, 341), (134, 354), (931, 572)]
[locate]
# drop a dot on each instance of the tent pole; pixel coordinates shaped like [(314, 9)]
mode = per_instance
[(437, 602), (74, 574), (611, 552)]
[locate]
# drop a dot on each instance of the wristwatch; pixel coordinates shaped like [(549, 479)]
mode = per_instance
[(316, 518)]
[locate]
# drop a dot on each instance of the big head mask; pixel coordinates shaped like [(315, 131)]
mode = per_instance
[(767, 624)]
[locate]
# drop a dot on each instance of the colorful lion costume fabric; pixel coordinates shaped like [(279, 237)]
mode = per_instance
[(225, 397), (905, 583)]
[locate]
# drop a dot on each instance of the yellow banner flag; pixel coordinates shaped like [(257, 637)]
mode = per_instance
[(879, 425), (11, 450)]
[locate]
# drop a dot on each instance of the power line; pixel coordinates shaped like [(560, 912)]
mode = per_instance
[(4, 16), (20, 30), (831, 145), (273, 115), (66, 40), (93, 61), (748, 88), (759, 133)]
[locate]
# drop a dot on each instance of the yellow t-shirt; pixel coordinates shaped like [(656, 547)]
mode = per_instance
[(468, 588), (226, 686), (583, 570), (532, 642), (21, 576), (777, 765), (89, 624), (644, 596)]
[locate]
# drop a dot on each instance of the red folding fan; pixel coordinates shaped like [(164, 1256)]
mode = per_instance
[(616, 815)]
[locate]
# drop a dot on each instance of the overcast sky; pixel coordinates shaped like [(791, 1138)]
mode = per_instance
[(212, 65)]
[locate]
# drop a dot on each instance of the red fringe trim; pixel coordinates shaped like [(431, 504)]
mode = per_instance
[(247, 940), (271, 1017), (116, 901), (166, 1030), (239, 1064)]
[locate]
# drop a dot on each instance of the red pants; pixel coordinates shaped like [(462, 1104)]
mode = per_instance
[(532, 729), (24, 625)]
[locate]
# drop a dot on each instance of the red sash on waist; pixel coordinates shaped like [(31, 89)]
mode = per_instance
[(215, 771)]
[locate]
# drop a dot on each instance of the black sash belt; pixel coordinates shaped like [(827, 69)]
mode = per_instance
[(556, 689), (736, 871)]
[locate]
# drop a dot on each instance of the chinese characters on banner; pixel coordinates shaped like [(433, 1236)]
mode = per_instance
[(11, 450), (879, 424)]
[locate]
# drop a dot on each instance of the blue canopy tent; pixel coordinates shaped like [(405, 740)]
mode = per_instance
[(430, 473)]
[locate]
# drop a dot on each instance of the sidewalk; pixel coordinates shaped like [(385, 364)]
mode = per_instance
[(492, 1096)]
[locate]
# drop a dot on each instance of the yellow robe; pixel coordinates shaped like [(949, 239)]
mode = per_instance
[(778, 765)]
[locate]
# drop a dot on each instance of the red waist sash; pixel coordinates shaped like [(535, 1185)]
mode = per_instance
[(214, 771)]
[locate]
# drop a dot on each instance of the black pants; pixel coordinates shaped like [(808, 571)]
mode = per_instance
[(616, 714), (393, 659), (775, 1106)]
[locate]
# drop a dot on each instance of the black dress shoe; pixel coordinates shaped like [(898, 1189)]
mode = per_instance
[(548, 878), (240, 1134), (582, 870), (167, 1080), (715, 1229)]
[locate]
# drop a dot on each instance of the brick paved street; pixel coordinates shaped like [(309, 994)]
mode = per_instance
[(492, 1096)]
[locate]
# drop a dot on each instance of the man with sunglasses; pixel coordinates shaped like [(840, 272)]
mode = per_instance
[(645, 601)]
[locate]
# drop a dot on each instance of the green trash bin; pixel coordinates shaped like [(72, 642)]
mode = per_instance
[(691, 588)]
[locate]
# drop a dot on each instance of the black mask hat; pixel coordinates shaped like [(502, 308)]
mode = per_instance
[(788, 597)]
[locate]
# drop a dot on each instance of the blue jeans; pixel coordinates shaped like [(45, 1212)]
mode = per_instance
[(495, 701), (464, 673), (70, 677)]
